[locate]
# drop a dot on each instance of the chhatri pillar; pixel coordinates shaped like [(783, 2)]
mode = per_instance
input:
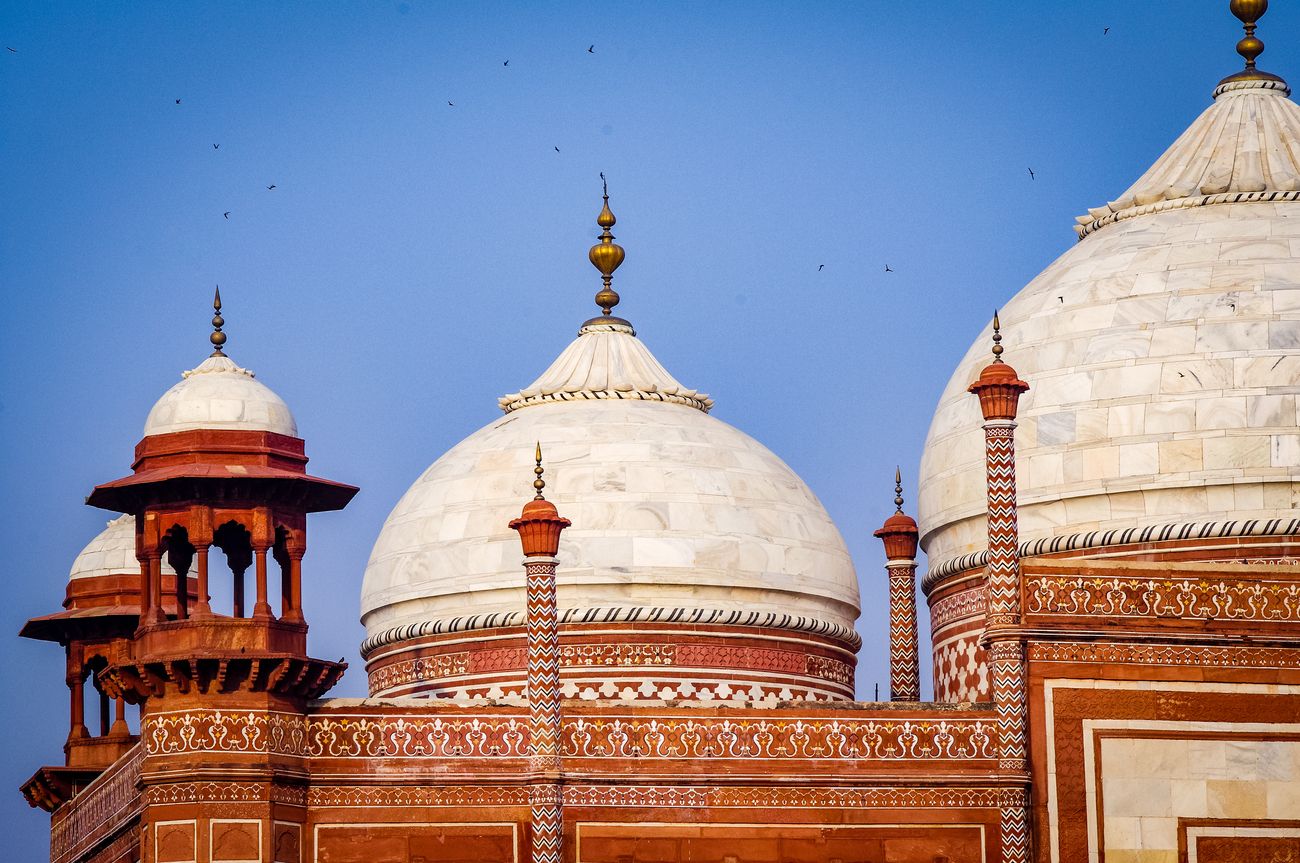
[(999, 389), (899, 535), (223, 492), (539, 527)]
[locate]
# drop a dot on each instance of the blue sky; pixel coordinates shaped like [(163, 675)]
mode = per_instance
[(418, 259)]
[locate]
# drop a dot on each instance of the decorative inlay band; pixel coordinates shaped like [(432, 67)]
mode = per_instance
[(506, 736), (1164, 598), (1252, 527), (1165, 654), (670, 796), (722, 797), (614, 657), (638, 614), (957, 606), (787, 738)]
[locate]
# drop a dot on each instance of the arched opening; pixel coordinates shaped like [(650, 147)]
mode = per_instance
[(236, 543), (179, 554), (106, 715)]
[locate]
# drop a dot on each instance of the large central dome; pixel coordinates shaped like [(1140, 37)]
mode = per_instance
[(680, 522), (1160, 353)]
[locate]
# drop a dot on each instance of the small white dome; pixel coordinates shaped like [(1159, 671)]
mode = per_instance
[(673, 511), (220, 395), (112, 552)]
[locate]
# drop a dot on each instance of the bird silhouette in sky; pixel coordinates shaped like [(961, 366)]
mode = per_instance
[(819, 267), (452, 104), (507, 63), (11, 50), (591, 49), (226, 214), (178, 101), (216, 146), (887, 269), (270, 187), (1105, 30), (1031, 173), (557, 149)]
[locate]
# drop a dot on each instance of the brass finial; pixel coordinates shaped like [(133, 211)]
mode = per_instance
[(1248, 12), (898, 489), (539, 483), (218, 338), (997, 338), (606, 255)]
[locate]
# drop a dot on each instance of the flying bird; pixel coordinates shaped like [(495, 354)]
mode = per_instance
[(819, 267), (270, 187), (216, 146), (507, 63), (1105, 30), (11, 50), (887, 269), (452, 104), (557, 149), (226, 214), (1031, 173), (591, 49), (178, 101)]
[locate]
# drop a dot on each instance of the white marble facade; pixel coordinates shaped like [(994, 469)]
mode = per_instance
[(1161, 354)]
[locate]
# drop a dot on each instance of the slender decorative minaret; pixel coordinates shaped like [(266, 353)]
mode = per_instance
[(539, 528), (999, 389), (899, 534)]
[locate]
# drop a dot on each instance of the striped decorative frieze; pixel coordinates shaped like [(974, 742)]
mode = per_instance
[(636, 614), (1154, 533), (1183, 204)]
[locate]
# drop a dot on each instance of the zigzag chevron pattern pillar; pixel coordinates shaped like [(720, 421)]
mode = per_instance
[(539, 528), (999, 389), (900, 535), (543, 666)]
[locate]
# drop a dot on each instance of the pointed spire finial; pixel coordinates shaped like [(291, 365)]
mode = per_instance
[(218, 338), (606, 255), (539, 483), (898, 489), (997, 338), (1248, 12)]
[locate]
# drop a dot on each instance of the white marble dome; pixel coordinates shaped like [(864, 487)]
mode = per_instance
[(220, 395), (673, 511), (111, 552), (1162, 352)]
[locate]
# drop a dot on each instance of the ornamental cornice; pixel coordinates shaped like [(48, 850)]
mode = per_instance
[(1178, 531), (634, 614)]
